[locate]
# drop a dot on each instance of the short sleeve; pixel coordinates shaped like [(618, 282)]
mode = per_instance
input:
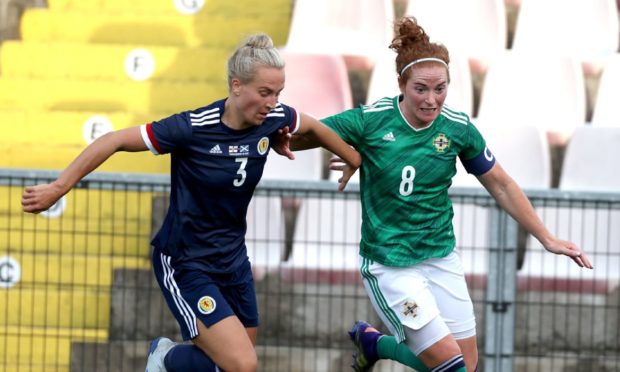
[(349, 125), (476, 157), (167, 135)]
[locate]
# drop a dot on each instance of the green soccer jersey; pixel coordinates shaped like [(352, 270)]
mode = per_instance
[(404, 179)]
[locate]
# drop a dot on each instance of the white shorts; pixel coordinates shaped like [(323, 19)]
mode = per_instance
[(414, 296)]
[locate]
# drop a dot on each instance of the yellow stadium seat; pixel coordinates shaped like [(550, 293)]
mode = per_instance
[(57, 157), (79, 307), (42, 349), (45, 25), (43, 128), (106, 96), (71, 269), (60, 136), (93, 222), (107, 62), (223, 7)]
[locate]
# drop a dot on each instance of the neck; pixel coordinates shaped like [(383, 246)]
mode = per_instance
[(231, 117), (410, 118)]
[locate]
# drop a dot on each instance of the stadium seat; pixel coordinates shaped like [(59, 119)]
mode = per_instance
[(383, 78), (265, 234), (326, 242), (75, 61), (74, 307), (222, 7), (605, 111), (60, 136), (42, 349), (593, 227), (472, 29), (106, 96), (44, 25), (591, 160), (353, 28), (72, 128), (384, 81), (318, 85), (57, 157), (586, 30), (523, 152), (508, 99), (590, 165), (71, 269), (93, 222)]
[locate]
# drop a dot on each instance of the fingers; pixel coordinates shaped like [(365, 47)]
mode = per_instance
[(33, 200), (30, 204), (343, 181), (583, 261), (578, 256), (337, 164)]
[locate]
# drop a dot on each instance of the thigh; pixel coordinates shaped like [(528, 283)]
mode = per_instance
[(240, 293), (469, 348), (401, 296), (194, 295), (227, 343), (447, 283)]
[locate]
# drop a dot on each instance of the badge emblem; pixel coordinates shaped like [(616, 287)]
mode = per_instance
[(263, 145), (441, 142), (410, 308), (206, 305)]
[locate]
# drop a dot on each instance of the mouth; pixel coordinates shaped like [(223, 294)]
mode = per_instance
[(261, 117), (427, 109)]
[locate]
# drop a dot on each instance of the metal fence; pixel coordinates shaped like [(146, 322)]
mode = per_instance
[(77, 292)]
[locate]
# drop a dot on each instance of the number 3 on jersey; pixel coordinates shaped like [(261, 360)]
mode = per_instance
[(241, 171), (406, 182)]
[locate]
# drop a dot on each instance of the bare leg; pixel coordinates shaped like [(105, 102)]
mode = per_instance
[(228, 344), (469, 348)]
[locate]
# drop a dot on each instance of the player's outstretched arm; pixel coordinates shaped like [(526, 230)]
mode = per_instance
[(39, 198), (313, 132), (513, 200)]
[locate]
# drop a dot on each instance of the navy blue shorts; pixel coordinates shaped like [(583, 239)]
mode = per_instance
[(194, 294)]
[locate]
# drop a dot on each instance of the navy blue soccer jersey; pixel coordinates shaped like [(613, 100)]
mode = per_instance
[(214, 171)]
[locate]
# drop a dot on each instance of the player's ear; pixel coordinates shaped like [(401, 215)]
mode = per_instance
[(235, 86)]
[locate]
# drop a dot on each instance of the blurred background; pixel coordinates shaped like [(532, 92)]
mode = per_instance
[(539, 78)]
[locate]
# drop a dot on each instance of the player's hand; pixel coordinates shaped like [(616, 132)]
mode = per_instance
[(39, 198), (337, 164), (281, 143), (571, 250)]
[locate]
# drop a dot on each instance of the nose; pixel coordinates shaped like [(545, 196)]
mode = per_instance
[(430, 99), (271, 103)]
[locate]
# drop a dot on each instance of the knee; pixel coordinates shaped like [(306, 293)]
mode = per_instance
[(245, 363)]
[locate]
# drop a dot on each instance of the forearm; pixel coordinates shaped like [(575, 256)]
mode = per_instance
[(88, 160), (304, 142), (329, 140), (96, 154), (514, 201)]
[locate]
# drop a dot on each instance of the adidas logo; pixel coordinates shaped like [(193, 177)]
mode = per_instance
[(215, 150), (389, 137)]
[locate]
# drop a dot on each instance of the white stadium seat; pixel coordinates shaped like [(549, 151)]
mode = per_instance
[(474, 29), (606, 111), (356, 29), (508, 97)]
